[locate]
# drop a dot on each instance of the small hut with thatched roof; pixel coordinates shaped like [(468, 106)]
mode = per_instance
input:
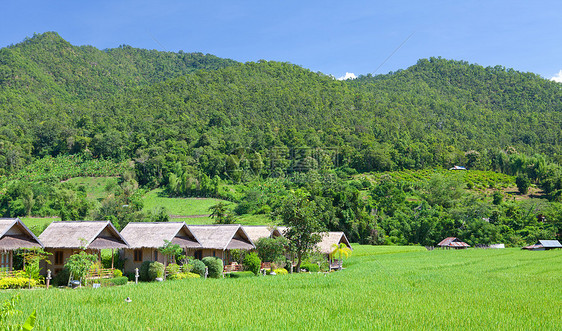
[(326, 246), (14, 235), (145, 238), (256, 232), (218, 240), (65, 238)]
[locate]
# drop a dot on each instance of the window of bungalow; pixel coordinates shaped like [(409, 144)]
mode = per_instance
[(59, 258), (155, 255), (138, 255)]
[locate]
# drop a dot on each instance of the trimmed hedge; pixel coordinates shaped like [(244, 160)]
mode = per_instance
[(16, 282), (310, 267), (198, 267), (184, 275), (241, 274), (215, 266), (113, 281), (252, 263)]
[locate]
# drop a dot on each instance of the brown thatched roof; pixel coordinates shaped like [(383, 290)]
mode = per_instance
[(256, 232), (89, 234), (153, 234), (231, 236), (331, 238), (14, 235)]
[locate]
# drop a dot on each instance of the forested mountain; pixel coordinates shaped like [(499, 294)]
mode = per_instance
[(188, 121)]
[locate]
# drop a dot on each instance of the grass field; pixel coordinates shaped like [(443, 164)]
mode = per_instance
[(95, 186), (402, 288), (179, 206)]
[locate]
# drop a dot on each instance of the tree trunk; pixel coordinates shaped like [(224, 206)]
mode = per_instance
[(299, 260)]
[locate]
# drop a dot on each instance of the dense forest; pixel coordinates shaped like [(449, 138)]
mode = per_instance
[(188, 121)]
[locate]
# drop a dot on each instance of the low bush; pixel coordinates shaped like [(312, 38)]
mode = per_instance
[(310, 267), (113, 281), (198, 267), (17, 282), (241, 274), (172, 269), (143, 271), (281, 271), (252, 263), (61, 278), (215, 266), (155, 270), (184, 275), (117, 273), (186, 267), (130, 276)]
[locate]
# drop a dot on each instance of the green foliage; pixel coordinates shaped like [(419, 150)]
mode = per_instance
[(221, 214), (523, 182), (252, 263), (117, 273), (310, 267), (241, 274), (17, 282), (143, 271), (238, 255), (116, 281), (215, 266), (281, 271), (79, 264), (271, 249), (172, 269), (173, 251), (198, 267), (8, 310), (61, 278), (184, 275), (155, 270)]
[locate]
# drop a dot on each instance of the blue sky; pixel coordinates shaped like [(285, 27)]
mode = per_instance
[(333, 37)]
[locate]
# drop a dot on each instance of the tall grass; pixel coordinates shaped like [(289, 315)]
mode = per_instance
[(383, 287)]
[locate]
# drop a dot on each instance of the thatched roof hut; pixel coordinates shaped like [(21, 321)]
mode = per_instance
[(153, 234), (331, 238), (222, 237), (82, 234), (14, 235), (543, 245), (452, 242), (256, 232)]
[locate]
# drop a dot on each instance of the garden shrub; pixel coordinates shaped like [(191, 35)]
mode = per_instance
[(215, 266), (310, 267), (61, 279), (130, 276), (242, 274), (198, 267), (119, 280), (117, 273), (172, 269), (184, 275), (155, 270), (17, 282), (187, 267), (281, 271), (252, 263), (143, 271)]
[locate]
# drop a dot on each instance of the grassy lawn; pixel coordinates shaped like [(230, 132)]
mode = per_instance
[(404, 288), (179, 206), (38, 224)]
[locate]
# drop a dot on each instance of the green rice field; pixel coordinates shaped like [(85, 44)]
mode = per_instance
[(382, 287), (179, 206)]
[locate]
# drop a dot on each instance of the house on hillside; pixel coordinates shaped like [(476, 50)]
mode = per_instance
[(452, 242), (255, 232), (14, 235), (145, 238), (544, 245), (218, 240), (65, 238)]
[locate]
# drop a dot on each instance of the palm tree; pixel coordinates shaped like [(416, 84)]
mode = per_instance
[(342, 250)]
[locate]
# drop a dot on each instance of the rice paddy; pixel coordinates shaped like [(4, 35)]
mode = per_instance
[(381, 288)]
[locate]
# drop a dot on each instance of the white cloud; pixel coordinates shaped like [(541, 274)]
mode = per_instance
[(558, 77), (350, 75)]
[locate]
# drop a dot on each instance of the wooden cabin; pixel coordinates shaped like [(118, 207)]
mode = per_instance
[(256, 232), (14, 235), (145, 238), (452, 242), (326, 246), (65, 238), (218, 240)]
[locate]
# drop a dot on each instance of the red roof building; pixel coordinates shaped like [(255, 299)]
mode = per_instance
[(452, 242)]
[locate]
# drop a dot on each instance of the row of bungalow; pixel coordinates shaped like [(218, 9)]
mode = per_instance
[(138, 241)]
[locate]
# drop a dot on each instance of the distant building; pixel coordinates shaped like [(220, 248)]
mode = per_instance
[(457, 168), (544, 245), (452, 242)]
